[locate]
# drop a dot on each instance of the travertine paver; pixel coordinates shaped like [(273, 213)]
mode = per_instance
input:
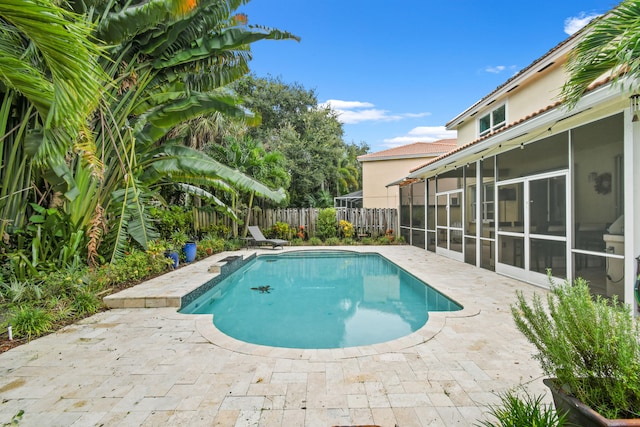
[(156, 367)]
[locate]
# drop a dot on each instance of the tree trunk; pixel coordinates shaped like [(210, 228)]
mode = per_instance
[(248, 217)]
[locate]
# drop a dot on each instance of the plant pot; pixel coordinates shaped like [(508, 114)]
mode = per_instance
[(174, 257), (580, 414), (190, 251)]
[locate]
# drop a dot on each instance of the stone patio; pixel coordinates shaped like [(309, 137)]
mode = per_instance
[(152, 366)]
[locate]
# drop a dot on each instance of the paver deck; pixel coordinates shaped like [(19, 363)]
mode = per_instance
[(156, 367)]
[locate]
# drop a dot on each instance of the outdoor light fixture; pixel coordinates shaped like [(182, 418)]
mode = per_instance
[(635, 107)]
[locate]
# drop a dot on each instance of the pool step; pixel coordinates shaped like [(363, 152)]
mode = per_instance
[(169, 289)]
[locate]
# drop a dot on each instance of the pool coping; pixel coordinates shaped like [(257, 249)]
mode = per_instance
[(194, 279)]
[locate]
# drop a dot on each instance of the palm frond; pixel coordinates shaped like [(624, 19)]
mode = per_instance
[(177, 160), (611, 45), (199, 192)]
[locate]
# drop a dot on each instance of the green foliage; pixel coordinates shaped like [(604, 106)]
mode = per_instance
[(611, 46), (525, 411), (135, 266), (86, 302), (209, 245), (233, 244), (16, 291), (218, 230), (168, 220), (368, 241), (310, 138), (590, 345), (347, 241), (333, 241), (297, 242), (49, 242), (346, 228), (178, 239), (326, 224), (280, 230), (315, 241), (30, 322)]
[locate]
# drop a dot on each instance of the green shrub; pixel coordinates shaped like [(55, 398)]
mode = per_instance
[(346, 228), (383, 240), (347, 241), (280, 230), (516, 411), (368, 241), (218, 230), (332, 241), (172, 219), (297, 242), (135, 266), (59, 307), (86, 302), (30, 322), (591, 346), (315, 241), (233, 244), (326, 224), (17, 291)]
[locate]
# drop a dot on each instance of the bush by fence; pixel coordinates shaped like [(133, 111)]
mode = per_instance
[(366, 222)]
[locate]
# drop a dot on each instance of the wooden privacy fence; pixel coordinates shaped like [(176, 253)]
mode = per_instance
[(372, 222)]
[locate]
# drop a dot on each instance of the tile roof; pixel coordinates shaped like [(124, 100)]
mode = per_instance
[(417, 149), (593, 86)]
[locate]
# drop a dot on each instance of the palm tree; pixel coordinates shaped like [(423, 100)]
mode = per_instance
[(250, 157), (610, 45), (50, 81)]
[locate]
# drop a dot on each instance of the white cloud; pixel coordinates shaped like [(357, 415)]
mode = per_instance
[(352, 112), (497, 69), (421, 134), (575, 23), (337, 104)]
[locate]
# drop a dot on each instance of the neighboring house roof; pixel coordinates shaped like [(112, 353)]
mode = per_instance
[(417, 149)]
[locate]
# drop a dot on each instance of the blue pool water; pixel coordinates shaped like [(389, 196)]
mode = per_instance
[(320, 299)]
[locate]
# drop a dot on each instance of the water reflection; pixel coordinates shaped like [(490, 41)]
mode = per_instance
[(320, 301)]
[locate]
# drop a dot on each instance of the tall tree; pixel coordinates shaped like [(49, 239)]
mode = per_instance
[(171, 61), (309, 136), (249, 157), (610, 45)]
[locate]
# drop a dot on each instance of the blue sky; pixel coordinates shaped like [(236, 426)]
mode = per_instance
[(397, 72)]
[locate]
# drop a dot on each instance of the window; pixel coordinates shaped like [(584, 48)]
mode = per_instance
[(493, 121), (487, 208)]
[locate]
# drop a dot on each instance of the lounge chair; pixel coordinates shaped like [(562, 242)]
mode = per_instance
[(257, 238)]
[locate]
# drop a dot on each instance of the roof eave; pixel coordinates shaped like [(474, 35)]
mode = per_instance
[(513, 136)]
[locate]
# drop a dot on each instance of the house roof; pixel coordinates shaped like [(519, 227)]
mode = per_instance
[(545, 61), (503, 129), (417, 149)]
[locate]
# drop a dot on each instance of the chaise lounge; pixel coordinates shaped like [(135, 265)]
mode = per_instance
[(257, 238)]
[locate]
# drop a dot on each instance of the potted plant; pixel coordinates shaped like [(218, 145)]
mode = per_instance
[(178, 241), (590, 348), (190, 250)]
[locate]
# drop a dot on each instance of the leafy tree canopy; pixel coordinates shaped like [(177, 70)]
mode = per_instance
[(310, 137)]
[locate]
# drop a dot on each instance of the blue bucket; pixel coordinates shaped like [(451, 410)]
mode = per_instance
[(190, 251)]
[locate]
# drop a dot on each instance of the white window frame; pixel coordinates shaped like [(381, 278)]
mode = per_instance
[(493, 126), (488, 206)]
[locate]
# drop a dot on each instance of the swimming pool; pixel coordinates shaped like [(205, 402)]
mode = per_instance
[(320, 299)]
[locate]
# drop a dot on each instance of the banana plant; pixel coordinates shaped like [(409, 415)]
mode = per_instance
[(170, 61)]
